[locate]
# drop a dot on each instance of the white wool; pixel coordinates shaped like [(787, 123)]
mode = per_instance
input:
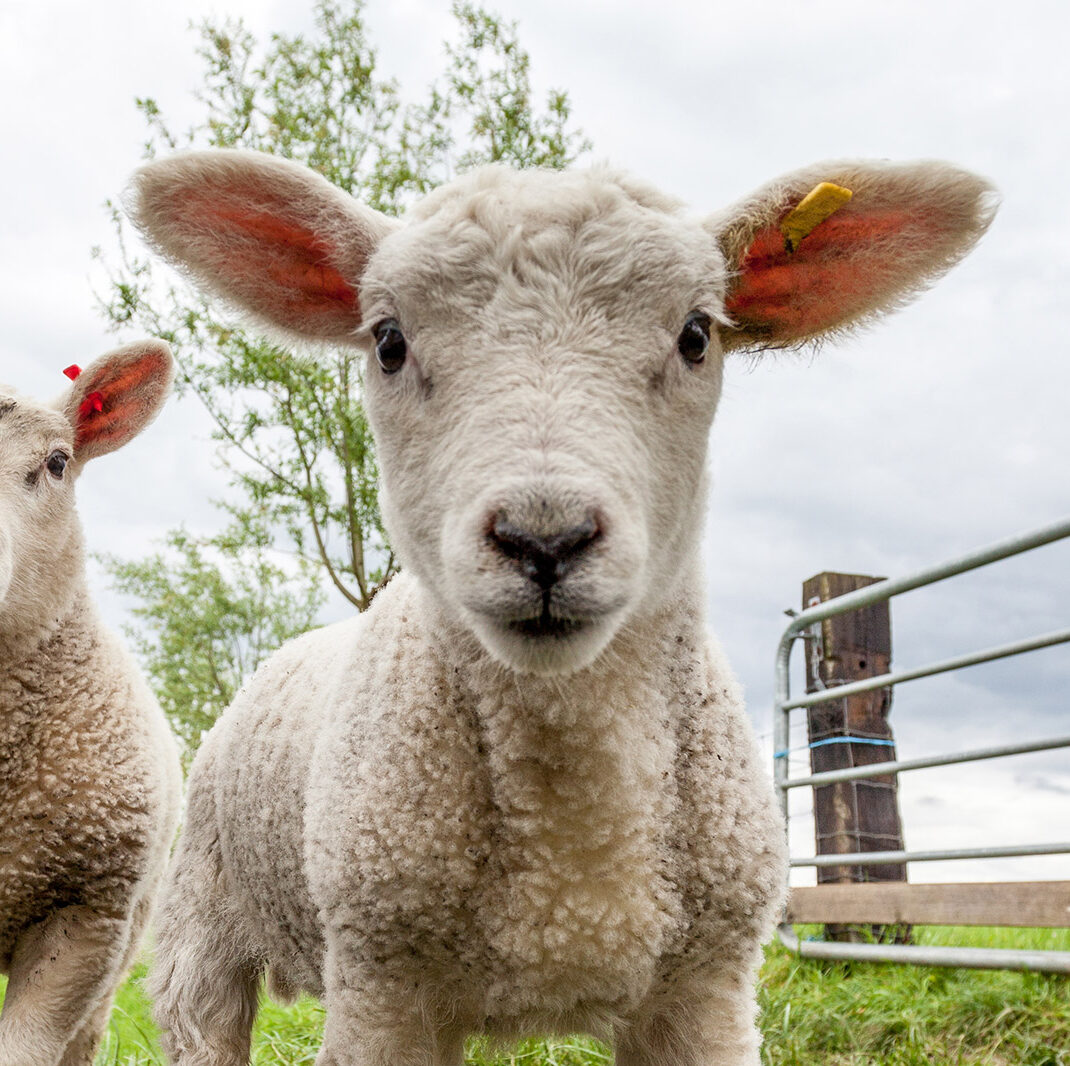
[(520, 795), (88, 768)]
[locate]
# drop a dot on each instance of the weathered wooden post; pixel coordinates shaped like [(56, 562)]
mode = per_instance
[(861, 815)]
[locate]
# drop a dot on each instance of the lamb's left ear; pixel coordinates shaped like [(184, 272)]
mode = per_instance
[(117, 396), (797, 275)]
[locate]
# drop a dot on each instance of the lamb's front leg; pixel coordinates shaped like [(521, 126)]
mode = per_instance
[(400, 1021), (83, 1046), (63, 973), (707, 1023)]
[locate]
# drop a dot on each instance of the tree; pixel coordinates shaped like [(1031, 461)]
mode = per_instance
[(291, 429), (209, 611)]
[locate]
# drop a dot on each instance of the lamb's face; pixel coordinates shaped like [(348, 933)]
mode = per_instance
[(37, 522), (542, 374)]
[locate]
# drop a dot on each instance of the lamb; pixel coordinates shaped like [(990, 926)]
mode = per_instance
[(89, 771), (520, 794)]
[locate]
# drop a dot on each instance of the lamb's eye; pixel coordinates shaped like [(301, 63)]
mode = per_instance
[(390, 346), (694, 338), (57, 463)]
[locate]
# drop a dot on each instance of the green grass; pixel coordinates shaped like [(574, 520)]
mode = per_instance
[(832, 1014), (847, 1014), (283, 1035)]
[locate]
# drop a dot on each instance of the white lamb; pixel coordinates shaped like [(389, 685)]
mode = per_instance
[(519, 795), (89, 774)]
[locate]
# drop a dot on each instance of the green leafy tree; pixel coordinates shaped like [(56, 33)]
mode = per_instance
[(291, 430), (208, 612)]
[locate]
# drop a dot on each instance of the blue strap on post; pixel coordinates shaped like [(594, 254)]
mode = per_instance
[(835, 740)]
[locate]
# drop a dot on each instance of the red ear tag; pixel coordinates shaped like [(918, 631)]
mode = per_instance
[(73, 371), (93, 402)]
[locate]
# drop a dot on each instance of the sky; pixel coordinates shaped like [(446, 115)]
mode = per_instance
[(943, 428)]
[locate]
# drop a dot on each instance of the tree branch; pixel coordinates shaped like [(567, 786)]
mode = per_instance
[(310, 507)]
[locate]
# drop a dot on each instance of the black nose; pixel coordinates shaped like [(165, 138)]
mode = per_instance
[(543, 559)]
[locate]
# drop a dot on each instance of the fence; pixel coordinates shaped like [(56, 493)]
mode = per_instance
[(1039, 903)]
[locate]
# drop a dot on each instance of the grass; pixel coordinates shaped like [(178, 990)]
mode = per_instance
[(832, 1013), (283, 1036), (847, 1014)]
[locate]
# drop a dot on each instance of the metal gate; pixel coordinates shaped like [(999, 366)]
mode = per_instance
[(1053, 909)]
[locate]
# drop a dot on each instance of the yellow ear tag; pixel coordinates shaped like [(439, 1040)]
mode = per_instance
[(820, 202)]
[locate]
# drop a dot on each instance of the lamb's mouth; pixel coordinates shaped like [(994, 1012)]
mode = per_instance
[(547, 642), (547, 625)]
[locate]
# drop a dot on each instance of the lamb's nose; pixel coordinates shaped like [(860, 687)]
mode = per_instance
[(543, 559)]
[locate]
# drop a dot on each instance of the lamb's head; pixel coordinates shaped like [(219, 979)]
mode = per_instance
[(43, 448), (541, 390), (544, 352)]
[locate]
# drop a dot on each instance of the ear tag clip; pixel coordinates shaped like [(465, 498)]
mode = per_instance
[(73, 371), (820, 202), (93, 402)]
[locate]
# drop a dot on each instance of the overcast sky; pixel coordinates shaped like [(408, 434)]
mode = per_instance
[(942, 429)]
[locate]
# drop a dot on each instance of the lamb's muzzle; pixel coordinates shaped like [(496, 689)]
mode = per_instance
[(545, 559)]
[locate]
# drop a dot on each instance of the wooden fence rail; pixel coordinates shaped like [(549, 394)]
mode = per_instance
[(1014, 903)]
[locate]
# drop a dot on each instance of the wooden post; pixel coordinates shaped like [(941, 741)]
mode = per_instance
[(858, 815)]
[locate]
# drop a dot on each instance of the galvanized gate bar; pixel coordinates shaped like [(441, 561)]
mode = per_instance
[(898, 766), (878, 858), (996, 958), (923, 955), (1003, 651), (884, 590)]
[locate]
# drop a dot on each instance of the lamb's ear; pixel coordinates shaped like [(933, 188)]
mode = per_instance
[(268, 235), (117, 396), (902, 226)]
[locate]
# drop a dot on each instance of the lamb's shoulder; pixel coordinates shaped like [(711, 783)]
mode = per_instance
[(730, 836), (260, 747), (281, 707), (249, 785), (395, 798)]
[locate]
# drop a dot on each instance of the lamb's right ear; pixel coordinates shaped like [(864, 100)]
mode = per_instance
[(268, 235)]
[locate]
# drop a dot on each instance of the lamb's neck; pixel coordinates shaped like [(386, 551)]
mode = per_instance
[(580, 772), (624, 696), (47, 596), (40, 683), (33, 644), (582, 761)]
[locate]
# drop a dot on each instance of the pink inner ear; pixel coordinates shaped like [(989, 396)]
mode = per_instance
[(298, 260), (834, 273), (114, 407)]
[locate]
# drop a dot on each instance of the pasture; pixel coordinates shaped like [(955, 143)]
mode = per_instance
[(833, 1014)]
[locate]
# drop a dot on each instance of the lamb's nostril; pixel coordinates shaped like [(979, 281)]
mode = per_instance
[(544, 559)]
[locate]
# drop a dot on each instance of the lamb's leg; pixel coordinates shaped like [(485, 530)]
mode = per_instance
[(708, 1025), (368, 1025), (62, 976), (351, 1038), (82, 1049), (203, 980)]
